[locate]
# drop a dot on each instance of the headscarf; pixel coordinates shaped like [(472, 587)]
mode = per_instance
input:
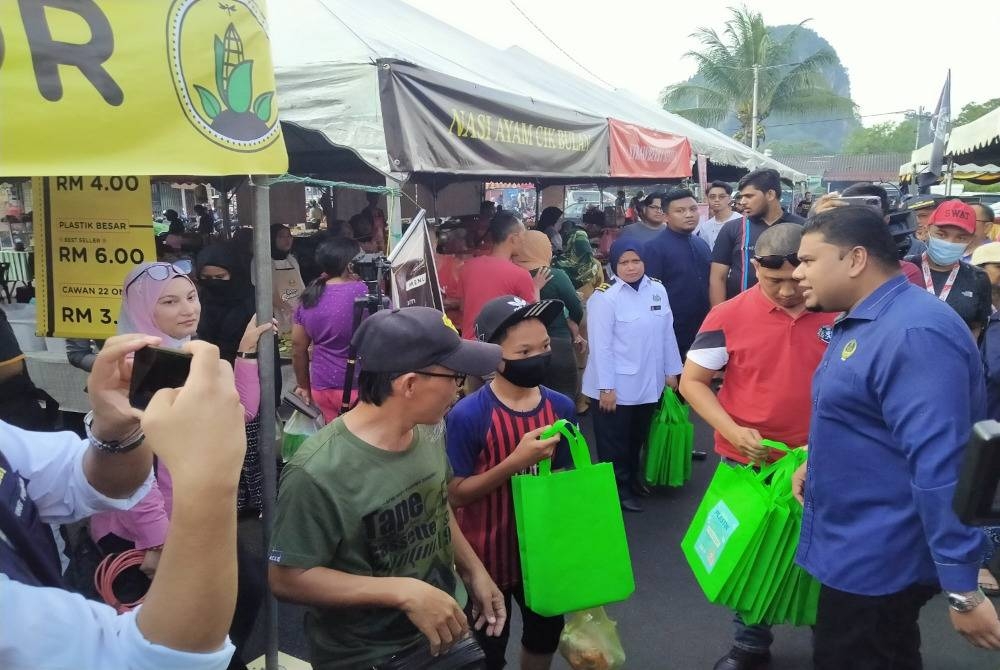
[(577, 259), (618, 249), (536, 251), (226, 305), (139, 301), (276, 253)]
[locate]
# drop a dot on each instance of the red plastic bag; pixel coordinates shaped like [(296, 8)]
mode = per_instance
[(590, 641)]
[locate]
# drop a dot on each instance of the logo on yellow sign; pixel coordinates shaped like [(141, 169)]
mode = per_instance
[(235, 109)]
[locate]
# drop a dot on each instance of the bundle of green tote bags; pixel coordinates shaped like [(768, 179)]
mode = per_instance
[(741, 544), (670, 441)]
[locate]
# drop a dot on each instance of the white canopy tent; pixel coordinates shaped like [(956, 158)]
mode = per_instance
[(325, 54)]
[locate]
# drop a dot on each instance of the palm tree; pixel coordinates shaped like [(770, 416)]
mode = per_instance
[(726, 65)]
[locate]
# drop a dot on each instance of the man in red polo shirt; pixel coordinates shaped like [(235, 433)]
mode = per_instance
[(769, 346)]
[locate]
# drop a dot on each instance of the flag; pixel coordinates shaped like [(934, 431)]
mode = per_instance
[(941, 126), (414, 273)]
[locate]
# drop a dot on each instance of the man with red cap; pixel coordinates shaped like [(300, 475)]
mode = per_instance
[(964, 287)]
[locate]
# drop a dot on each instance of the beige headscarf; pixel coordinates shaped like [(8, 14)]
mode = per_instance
[(536, 251)]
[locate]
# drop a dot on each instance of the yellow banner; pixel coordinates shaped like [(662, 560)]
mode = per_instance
[(89, 233), (153, 87)]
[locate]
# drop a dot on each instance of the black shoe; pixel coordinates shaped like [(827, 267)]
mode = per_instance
[(641, 489), (698, 455), (631, 505), (740, 659)]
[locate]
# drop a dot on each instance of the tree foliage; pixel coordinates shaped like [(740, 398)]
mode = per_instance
[(974, 110), (887, 137), (726, 66)]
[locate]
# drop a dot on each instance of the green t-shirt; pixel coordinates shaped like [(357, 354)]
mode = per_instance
[(347, 505)]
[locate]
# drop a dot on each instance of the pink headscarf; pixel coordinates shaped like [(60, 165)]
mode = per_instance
[(139, 300)]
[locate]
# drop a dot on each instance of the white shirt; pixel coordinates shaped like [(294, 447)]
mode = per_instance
[(51, 629), (632, 344), (708, 229)]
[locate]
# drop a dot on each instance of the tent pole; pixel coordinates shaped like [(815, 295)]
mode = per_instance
[(394, 205), (538, 200), (951, 175), (260, 187)]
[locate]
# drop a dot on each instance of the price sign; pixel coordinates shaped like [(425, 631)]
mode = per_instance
[(89, 233)]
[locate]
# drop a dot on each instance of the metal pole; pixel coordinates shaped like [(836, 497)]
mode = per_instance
[(753, 122), (949, 178), (260, 188), (395, 214), (920, 118)]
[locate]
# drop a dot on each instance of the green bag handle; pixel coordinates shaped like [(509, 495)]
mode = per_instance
[(771, 468), (577, 446)]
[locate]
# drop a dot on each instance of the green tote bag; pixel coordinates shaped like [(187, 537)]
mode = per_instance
[(571, 534)]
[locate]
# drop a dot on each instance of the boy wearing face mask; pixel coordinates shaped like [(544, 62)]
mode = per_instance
[(493, 434), (964, 287)]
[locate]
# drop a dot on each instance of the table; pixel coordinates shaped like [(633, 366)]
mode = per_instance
[(51, 372)]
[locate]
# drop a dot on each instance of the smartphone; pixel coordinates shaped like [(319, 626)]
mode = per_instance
[(155, 368), (872, 201), (301, 405)]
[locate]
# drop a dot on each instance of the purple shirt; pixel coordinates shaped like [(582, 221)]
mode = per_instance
[(328, 324)]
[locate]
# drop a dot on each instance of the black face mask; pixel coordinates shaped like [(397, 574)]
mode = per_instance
[(220, 289), (526, 372)]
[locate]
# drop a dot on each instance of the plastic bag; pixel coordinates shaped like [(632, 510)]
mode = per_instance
[(590, 641), (296, 431)]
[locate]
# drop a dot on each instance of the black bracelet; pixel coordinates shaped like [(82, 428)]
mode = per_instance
[(250, 355)]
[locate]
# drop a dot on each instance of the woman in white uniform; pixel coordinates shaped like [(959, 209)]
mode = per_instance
[(633, 355)]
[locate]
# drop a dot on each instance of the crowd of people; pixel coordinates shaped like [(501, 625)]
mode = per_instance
[(866, 333)]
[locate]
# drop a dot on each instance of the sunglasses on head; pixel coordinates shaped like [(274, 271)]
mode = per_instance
[(774, 262), (164, 271)]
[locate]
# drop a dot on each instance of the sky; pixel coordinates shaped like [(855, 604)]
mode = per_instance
[(639, 44)]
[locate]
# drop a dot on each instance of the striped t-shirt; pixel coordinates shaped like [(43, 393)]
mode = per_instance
[(482, 432)]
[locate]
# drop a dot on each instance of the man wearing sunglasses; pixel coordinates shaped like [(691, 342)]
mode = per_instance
[(364, 534), (769, 346)]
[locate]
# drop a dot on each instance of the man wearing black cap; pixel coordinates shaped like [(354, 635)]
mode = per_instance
[(495, 433), (364, 533)]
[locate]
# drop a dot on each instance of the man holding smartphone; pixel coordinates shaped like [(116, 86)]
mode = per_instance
[(196, 431)]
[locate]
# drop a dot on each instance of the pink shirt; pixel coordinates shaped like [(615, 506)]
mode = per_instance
[(146, 524), (486, 277)]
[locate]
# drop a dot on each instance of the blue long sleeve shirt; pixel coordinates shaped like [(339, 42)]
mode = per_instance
[(681, 262), (886, 442)]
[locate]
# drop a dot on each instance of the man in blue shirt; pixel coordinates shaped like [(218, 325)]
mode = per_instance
[(885, 446), (681, 260)]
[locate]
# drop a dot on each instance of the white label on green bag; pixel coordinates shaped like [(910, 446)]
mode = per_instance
[(719, 527)]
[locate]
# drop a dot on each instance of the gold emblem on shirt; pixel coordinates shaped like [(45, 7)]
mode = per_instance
[(849, 350)]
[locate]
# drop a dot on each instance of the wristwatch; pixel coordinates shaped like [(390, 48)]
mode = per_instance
[(114, 446), (967, 601)]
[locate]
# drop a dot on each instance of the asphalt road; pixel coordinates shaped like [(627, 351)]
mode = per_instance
[(667, 624)]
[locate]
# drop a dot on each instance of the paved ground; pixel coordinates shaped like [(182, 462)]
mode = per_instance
[(668, 624)]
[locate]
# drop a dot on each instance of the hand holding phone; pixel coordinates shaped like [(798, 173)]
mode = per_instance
[(155, 368)]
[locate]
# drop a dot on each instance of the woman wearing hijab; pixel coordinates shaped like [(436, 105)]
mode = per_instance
[(547, 224), (578, 256), (324, 325), (633, 355), (286, 278), (227, 299), (535, 254), (159, 299)]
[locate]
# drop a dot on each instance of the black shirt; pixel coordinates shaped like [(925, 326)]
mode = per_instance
[(729, 248), (971, 295)]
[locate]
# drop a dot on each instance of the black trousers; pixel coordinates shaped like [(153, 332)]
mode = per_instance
[(620, 436), (869, 632), (539, 634)]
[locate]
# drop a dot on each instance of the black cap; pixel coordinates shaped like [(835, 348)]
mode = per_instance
[(413, 338), (503, 312)]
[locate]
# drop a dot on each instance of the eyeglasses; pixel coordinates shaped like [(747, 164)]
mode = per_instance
[(984, 220), (164, 271), (774, 262), (656, 208), (458, 378)]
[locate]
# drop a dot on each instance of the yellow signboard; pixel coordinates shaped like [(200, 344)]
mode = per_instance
[(90, 232), (153, 87)]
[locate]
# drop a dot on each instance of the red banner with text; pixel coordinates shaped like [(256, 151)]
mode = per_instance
[(644, 153)]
